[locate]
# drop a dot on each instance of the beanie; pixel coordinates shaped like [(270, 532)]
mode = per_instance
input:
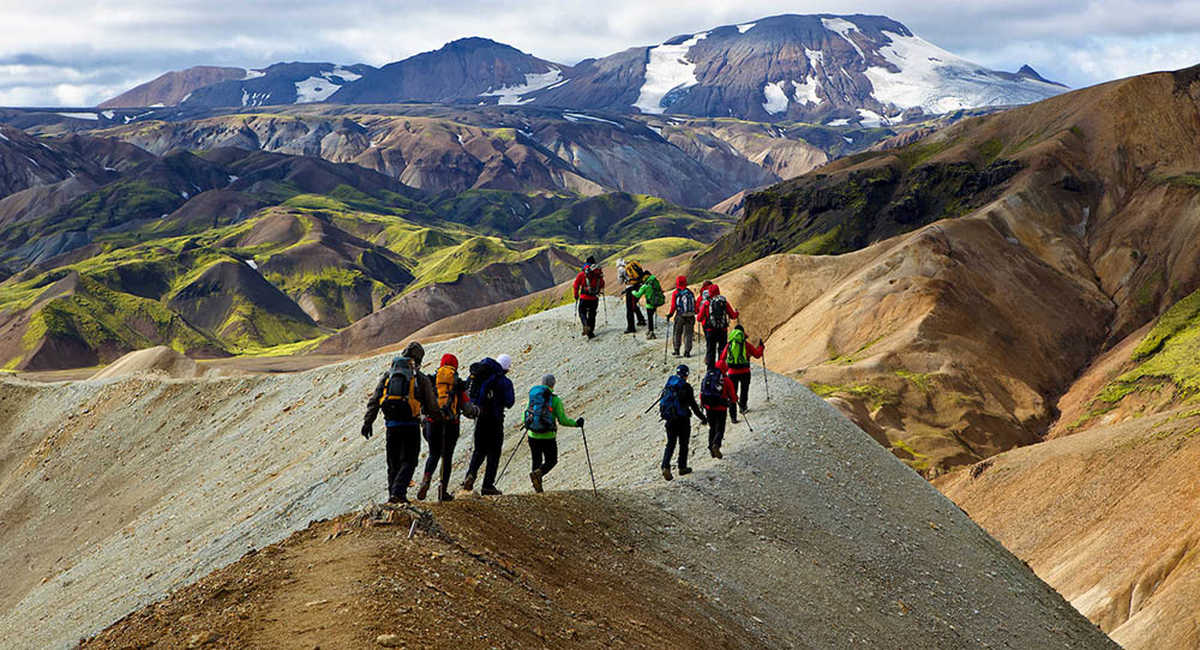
[(548, 381), (449, 360), (505, 361)]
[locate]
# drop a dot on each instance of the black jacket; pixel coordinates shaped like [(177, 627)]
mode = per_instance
[(425, 393), (687, 397)]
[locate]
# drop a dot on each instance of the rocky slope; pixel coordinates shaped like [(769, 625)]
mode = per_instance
[(1056, 230), (844, 544), (173, 87)]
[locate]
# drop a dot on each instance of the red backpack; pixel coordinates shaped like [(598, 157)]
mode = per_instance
[(592, 276)]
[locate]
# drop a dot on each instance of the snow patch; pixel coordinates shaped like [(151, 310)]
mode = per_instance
[(815, 58), (346, 75), (81, 116), (253, 74), (806, 92), (232, 179), (843, 27), (575, 117), (777, 99), (183, 194), (158, 105), (511, 95), (871, 118), (745, 27), (108, 115), (254, 99), (252, 264), (4, 138), (839, 122), (848, 140), (314, 89), (667, 69), (940, 82), (35, 163)]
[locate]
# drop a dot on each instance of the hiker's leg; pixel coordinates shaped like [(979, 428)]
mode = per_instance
[(394, 450), (581, 308), (717, 420), (670, 450), (495, 444), (592, 307), (710, 348), (650, 319), (743, 384), (676, 334), (689, 324), (479, 453), (433, 438), (685, 436), (449, 442), (410, 450), (550, 455), (712, 426), (630, 306), (535, 454)]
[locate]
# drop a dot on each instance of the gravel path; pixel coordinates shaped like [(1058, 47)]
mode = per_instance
[(113, 493)]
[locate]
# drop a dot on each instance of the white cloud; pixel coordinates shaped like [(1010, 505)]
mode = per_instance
[(99, 47)]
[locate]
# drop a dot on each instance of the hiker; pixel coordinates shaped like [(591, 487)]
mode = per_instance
[(718, 396), (442, 435), (736, 357), (403, 394), (700, 308), (630, 274), (542, 417), (652, 291), (589, 284), (490, 389), (683, 308), (676, 405), (715, 313)]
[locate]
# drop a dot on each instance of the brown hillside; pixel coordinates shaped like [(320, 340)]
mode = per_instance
[(172, 87)]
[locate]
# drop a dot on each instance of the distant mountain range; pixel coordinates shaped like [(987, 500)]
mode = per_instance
[(859, 69)]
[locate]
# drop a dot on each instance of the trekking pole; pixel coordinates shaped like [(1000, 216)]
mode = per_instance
[(652, 405), (747, 422), (666, 338), (589, 460), (766, 384), (604, 299), (511, 456)]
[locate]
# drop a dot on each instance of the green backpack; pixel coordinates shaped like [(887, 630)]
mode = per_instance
[(655, 297)]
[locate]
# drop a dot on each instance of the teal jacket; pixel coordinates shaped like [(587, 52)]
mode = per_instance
[(560, 415)]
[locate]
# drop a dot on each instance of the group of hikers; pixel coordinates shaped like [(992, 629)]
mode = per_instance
[(417, 405)]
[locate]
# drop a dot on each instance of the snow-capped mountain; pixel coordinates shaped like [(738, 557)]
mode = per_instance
[(867, 70)]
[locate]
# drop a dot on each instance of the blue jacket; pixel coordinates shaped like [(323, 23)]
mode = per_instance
[(497, 396)]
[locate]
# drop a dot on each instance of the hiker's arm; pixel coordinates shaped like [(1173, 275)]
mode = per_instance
[(755, 351), (730, 397), (427, 396), (560, 413), (691, 403), (373, 406), (702, 315), (733, 313), (509, 398), (578, 282), (671, 312)]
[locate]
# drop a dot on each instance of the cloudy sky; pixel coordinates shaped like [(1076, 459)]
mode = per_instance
[(79, 52)]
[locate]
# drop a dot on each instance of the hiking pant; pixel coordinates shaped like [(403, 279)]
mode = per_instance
[(684, 324), (650, 319), (403, 449), (714, 343), (741, 386), (545, 454), (716, 427), (489, 438), (587, 314), (632, 311), (442, 438), (679, 429)]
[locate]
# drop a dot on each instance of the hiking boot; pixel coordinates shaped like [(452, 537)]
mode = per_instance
[(675, 353), (444, 494), (667, 473), (490, 491), (468, 483), (650, 336), (712, 451), (535, 477), (424, 490), (630, 331), (394, 499), (716, 452), (684, 471)]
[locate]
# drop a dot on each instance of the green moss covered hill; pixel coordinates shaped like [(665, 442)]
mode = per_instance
[(229, 252)]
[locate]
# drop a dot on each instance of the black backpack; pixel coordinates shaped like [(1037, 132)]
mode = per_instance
[(718, 313), (482, 372), (685, 302), (399, 400), (712, 388)]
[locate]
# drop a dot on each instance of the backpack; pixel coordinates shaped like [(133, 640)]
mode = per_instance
[(539, 415), (655, 297), (633, 272), (399, 400), (446, 381), (735, 351), (685, 302), (718, 313), (482, 373), (670, 403), (592, 275), (712, 389)]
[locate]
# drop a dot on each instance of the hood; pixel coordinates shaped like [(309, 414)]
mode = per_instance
[(400, 363), (681, 282), (714, 290), (449, 360), (722, 366), (415, 352)]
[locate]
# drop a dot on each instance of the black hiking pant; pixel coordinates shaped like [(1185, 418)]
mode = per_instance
[(632, 311), (587, 315), (678, 430), (442, 438), (741, 386), (489, 438), (684, 326), (714, 344), (650, 319), (544, 452), (716, 427), (403, 449)]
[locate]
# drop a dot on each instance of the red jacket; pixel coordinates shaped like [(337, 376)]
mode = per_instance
[(702, 315), (752, 352), (727, 393), (680, 283), (580, 280)]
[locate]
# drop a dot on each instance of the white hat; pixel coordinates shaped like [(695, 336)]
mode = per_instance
[(505, 361)]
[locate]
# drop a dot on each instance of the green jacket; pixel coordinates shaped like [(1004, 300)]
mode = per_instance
[(650, 290), (560, 415)]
